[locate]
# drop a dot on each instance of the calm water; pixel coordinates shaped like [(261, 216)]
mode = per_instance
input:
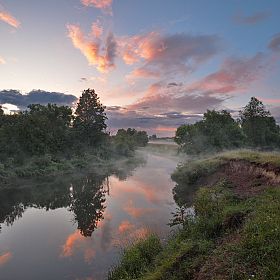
[(71, 229)]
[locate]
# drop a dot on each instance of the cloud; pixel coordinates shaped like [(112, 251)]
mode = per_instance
[(8, 18), (274, 45), (166, 105), (161, 54), (83, 80), (126, 226), (5, 258), (254, 20), (111, 47), (235, 74), (15, 97), (71, 245), (91, 46), (270, 100), (138, 213), (2, 60), (104, 5), (89, 256), (174, 85)]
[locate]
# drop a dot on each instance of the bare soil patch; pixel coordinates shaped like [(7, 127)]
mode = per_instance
[(247, 178)]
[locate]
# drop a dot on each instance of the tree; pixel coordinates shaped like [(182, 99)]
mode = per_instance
[(217, 131), (89, 123), (259, 126), (125, 144), (141, 138)]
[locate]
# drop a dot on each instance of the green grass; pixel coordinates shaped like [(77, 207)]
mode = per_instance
[(225, 238), (190, 172), (135, 258)]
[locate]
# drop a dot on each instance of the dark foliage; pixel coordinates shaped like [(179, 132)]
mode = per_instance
[(259, 126), (217, 131)]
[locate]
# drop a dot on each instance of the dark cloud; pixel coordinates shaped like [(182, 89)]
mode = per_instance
[(174, 115), (166, 122), (112, 47), (15, 97), (274, 45), (114, 108), (174, 85), (253, 20)]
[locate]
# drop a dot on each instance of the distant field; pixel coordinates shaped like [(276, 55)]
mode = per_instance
[(162, 141)]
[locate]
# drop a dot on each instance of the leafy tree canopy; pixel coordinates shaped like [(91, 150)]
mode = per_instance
[(217, 131), (89, 123), (259, 126)]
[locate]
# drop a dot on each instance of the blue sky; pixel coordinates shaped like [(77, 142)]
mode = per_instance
[(155, 64)]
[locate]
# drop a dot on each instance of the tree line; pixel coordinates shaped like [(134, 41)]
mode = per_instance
[(217, 131), (55, 130)]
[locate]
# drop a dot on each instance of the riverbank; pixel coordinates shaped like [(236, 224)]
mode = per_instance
[(47, 168), (235, 232)]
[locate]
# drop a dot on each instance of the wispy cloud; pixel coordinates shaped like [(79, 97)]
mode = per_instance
[(254, 20), (2, 60), (91, 46), (8, 18), (138, 213), (274, 45), (104, 5), (235, 74), (161, 54), (5, 258)]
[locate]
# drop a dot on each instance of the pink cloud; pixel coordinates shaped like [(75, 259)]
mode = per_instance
[(8, 18), (235, 74), (162, 54), (255, 19), (97, 30), (5, 258), (2, 60), (71, 245), (138, 213), (91, 46), (104, 5), (270, 100), (126, 226)]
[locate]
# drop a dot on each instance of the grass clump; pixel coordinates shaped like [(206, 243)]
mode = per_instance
[(135, 259)]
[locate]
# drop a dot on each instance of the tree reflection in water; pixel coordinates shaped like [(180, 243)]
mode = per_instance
[(87, 203), (85, 198), (82, 194)]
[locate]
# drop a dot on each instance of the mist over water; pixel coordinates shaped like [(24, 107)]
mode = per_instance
[(72, 230)]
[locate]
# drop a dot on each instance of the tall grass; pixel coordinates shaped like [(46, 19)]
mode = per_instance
[(135, 257)]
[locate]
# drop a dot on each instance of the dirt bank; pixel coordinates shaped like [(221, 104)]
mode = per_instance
[(247, 177)]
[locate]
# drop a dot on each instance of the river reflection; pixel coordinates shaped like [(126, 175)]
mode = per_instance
[(69, 230)]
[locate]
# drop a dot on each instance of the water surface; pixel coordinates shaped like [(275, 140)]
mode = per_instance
[(72, 229)]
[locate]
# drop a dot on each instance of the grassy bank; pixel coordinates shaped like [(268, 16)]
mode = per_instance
[(227, 237), (48, 167)]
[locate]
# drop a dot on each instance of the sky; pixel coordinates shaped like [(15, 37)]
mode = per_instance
[(155, 64)]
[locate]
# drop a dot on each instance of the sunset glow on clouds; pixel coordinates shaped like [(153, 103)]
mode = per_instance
[(104, 5), (8, 18), (5, 258), (155, 65)]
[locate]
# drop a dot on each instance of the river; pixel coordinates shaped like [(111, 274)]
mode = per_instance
[(74, 229)]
